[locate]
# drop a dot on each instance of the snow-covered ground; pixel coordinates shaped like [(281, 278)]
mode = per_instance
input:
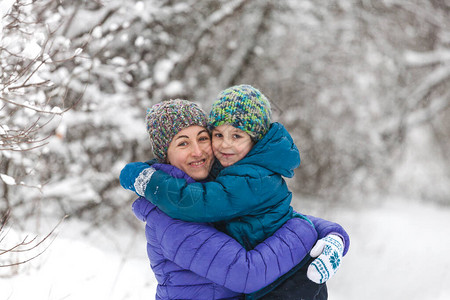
[(399, 250)]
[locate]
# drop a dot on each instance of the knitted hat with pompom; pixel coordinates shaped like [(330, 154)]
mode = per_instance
[(243, 107), (165, 119)]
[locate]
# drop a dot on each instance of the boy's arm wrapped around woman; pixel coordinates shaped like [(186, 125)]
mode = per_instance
[(182, 198)]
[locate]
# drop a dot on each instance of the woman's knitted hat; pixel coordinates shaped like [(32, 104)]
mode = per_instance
[(243, 107), (167, 118)]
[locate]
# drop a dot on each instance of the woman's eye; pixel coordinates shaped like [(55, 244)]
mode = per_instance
[(204, 138), (182, 144)]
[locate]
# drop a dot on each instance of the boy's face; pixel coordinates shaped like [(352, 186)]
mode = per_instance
[(190, 151), (230, 144)]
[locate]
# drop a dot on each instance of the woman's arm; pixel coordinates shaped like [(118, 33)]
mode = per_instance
[(216, 256), (221, 259), (325, 228)]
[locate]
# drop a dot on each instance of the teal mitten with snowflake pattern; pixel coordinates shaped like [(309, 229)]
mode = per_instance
[(329, 252)]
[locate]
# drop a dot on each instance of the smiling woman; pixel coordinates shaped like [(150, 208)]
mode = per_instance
[(190, 151)]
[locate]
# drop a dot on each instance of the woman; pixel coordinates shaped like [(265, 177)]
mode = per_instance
[(222, 268)]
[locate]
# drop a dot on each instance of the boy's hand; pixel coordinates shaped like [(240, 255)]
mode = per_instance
[(135, 177), (328, 251)]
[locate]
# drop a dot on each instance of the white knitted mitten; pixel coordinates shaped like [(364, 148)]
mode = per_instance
[(329, 252)]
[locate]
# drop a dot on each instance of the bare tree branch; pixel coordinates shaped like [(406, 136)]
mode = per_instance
[(36, 109), (26, 245)]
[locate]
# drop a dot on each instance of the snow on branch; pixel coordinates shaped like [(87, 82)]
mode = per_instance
[(420, 59), (212, 21), (414, 114), (216, 18), (417, 117), (53, 111), (424, 12), (430, 81), (237, 59), (7, 179), (16, 139), (438, 105)]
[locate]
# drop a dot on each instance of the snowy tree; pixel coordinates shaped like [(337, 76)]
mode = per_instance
[(32, 94), (32, 101), (349, 79)]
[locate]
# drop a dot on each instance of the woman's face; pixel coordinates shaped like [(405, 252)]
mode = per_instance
[(190, 151)]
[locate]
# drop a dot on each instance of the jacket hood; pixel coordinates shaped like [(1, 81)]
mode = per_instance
[(276, 152)]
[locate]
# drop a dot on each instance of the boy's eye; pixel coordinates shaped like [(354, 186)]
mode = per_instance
[(236, 136), (218, 135)]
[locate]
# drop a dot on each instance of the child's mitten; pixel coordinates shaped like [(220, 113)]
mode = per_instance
[(328, 251), (135, 177)]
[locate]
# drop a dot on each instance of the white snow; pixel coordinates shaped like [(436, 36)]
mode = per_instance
[(85, 267), (8, 179), (5, 6), (161, 71), (78, 51), (32, 50), (174, 88), (398, 251)]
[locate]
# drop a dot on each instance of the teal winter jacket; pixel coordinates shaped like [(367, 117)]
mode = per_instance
[(250, 199)]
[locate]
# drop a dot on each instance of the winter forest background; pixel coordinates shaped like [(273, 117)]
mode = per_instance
[(363, 87)]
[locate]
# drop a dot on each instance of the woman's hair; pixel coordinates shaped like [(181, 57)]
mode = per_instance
[(167, 118)]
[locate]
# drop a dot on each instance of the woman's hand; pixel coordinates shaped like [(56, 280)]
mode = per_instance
[(329, 252), (135, 177)]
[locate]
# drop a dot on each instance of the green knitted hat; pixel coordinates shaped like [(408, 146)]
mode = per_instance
[(243, 107), (167, 118)]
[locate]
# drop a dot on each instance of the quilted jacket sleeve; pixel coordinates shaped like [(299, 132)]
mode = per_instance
[(212, 201), (325, 228), (216, 256)]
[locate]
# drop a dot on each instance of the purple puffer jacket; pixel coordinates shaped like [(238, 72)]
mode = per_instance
[(196, 261)]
